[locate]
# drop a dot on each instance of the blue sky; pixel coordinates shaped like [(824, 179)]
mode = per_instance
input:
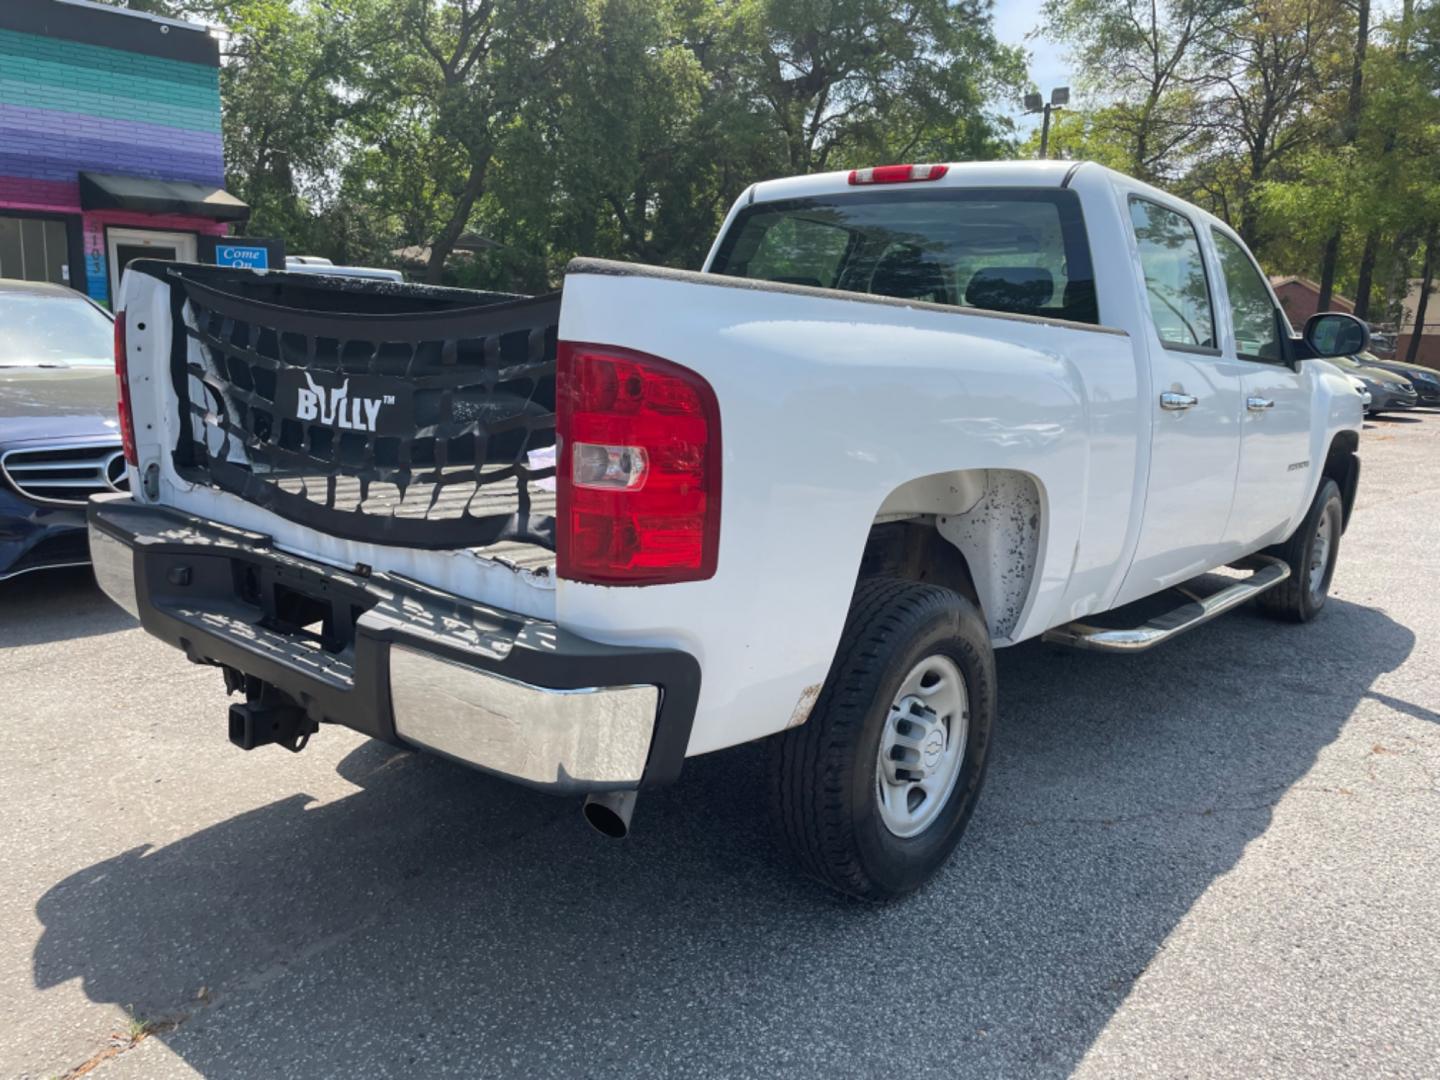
[(1048, 69)]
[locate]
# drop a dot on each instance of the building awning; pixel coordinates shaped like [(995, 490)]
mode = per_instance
[(106, 191)]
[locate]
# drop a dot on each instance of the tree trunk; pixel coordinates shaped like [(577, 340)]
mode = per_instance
[(1357, 73), (1353, 107), (444, 243), (1367, 275), (1327, 271), (1141, 149), (1249, 218), (1427, 278)]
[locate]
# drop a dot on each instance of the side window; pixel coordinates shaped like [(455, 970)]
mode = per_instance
[(1257, 328), (800, 252), (1174, 275)]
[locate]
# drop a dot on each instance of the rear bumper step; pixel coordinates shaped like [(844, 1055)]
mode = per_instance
[(398, 660), (1267, 572)]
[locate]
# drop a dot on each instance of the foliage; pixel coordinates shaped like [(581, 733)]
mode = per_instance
[(1262, 111), (625, 128)]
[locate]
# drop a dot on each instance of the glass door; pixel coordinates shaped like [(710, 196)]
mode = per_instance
[(127, 245)]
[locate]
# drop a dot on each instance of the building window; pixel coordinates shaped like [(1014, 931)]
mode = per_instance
[(34, 249)]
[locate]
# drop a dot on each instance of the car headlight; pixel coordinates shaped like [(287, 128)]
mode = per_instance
[(1399, 388)]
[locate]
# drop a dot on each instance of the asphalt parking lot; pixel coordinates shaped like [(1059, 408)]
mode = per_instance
[(1217, 859)]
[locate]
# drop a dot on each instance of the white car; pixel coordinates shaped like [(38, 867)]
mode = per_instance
[(904, 417), (316, 264), (1359, 384)]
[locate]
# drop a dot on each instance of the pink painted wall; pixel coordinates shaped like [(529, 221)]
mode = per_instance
[(52, 196)]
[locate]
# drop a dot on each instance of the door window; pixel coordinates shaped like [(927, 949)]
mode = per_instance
[(1175, 281), (1256, 319)]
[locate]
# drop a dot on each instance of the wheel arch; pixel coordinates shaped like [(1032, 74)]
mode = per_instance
[(1342, 464), (975, 531)]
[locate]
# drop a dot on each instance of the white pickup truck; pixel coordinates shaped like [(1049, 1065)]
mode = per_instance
[(906, 416)]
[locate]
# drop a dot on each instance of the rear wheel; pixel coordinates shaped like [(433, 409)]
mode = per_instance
[(873, 792), (1311, 553)]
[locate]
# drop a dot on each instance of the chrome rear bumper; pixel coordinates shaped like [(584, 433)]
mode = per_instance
[(594, 737)]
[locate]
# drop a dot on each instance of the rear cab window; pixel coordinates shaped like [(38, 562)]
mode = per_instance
[(1020, 251)]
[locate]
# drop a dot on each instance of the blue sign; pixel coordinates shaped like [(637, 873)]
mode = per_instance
[(242, 256)]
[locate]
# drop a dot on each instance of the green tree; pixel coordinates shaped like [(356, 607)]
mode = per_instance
[(1348, 130), (558, 127), (1272, 73), (464, 70), (840, 80), (1148, 63)]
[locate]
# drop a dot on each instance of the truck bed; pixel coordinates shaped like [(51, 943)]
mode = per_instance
[(450, 503)]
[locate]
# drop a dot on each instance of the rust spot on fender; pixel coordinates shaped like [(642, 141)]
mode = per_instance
[(802, 709)]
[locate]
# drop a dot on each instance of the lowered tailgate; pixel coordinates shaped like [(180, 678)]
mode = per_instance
[(352, 418)]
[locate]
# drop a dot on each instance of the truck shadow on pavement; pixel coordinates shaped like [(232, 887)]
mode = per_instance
[(440, 921)]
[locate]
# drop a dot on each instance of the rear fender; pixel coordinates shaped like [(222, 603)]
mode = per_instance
[(1000, 539), (838, 409)]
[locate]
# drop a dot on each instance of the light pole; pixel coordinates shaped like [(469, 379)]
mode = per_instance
[(1059, 98)]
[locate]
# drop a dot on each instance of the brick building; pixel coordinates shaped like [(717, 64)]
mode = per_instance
[(1428, 349), (1300, 297), (109, 143)]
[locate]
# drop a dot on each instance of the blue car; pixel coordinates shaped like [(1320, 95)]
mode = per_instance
[(59, 437)]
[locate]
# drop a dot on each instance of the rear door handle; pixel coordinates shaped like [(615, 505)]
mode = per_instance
[(1175, 402), (1259, 404)]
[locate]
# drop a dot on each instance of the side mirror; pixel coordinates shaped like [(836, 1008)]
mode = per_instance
[(1333, 333)]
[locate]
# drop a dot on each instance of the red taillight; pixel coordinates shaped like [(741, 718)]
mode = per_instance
[(637, 469), (122, 382), (897, 174)]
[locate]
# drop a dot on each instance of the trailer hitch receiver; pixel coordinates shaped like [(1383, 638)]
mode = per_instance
[(254, 724)]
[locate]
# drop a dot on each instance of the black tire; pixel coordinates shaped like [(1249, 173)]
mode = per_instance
[(823, 773), (1301, 596)]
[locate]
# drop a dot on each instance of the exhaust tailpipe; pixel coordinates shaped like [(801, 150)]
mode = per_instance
[(609, 812)]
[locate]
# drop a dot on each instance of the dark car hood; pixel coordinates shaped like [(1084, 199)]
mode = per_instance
[(38, 403), (1407, 371), (1376, 375)]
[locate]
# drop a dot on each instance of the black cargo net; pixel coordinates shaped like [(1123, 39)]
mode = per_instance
[(412, 428)]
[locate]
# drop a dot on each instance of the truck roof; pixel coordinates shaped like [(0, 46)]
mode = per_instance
[(958, 174)]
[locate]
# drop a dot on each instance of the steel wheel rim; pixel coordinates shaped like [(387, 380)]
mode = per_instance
[(1320, 553), (922, 746)]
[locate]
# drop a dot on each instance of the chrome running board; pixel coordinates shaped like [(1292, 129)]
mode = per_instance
[(1268, 572)]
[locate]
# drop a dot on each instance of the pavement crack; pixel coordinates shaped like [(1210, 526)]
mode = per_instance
[(122, 1042)]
